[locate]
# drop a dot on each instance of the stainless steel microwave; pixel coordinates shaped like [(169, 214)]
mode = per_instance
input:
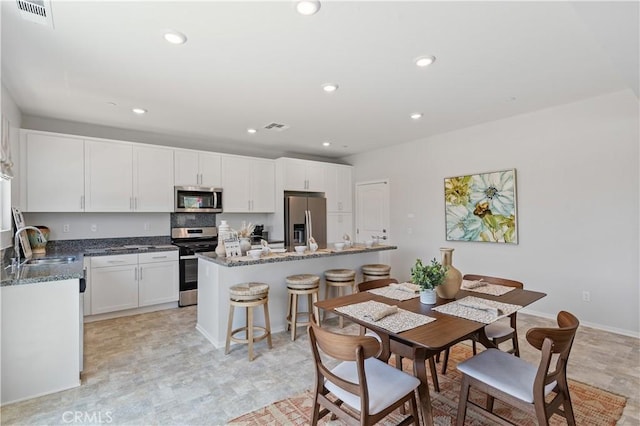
[(198, 199)]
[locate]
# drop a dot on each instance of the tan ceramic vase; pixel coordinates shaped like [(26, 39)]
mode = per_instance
[(453, 280)]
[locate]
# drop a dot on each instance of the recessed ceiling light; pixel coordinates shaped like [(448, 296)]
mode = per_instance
[(252, 131), (330, 87), (307, 7), (327, 143), (425, 61), (139, 110), (416, 115), (175, 37)]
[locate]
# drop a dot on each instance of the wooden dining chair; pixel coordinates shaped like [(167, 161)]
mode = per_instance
[(361, 389), (519, 383), (499, 331), (396, 347)]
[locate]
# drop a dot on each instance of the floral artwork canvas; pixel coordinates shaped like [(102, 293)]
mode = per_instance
[(482, 207)]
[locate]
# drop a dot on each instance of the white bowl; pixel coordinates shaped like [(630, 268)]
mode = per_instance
[(368, 243), (256, 253), (300, 249), (339, 246)]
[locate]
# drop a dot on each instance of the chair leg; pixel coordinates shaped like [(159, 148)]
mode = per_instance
[(250, 332), (475, 350), (563, 387), (294, 316), (516, 347), (316, 409), (413, 406), (227, 346), (445, 361), (289, 297), (434, 375), (490, 401), (316, 310), (327, 289), (267, 324), (462, 402), (399, 362)]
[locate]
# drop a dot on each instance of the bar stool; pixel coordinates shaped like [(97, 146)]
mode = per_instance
[(375, 271), (249, 296), (301, 285), (339, 279)]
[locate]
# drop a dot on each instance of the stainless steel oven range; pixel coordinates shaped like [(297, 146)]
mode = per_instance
[(191, 241)]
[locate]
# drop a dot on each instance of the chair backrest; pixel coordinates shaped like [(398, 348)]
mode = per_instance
[(370, 285), (553, 341), (344, 348), (493, 280)]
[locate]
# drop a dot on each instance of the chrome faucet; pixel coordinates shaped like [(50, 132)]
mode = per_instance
[(15, 264)]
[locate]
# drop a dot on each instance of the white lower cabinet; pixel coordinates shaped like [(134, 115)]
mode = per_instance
[(158, 278), (130, 281), (114, 283)]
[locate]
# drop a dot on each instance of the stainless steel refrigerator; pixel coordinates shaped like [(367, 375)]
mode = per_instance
[(305, 216)]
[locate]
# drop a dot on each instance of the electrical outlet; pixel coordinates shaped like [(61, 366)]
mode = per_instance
[(586, 296), (94, 228), (65, 227)]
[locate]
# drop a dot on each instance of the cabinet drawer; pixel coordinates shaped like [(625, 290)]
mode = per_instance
[(158, 256), (115, 260)]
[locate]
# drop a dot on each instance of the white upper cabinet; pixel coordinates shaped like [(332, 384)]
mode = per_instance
[(197, 168), (263, 196), (125, 177), (303, 175), (248, 185), (152, 179), (109, 176), (54, 172), (339, 190)]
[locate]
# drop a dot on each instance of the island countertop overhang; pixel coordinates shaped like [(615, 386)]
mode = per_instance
[(290, 256)]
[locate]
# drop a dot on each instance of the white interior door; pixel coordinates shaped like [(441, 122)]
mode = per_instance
[(372, 211)]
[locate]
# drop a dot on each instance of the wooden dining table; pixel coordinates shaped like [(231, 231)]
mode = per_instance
[(422, 342)]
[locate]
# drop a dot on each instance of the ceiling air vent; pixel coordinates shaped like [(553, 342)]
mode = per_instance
[(38, 11), (278, 127)]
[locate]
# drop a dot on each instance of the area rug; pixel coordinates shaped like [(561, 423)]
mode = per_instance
[(592, 406)]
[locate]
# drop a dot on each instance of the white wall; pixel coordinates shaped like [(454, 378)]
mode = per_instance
[(11, 112), (578, 204)]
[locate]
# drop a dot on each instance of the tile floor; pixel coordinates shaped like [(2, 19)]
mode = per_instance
[(156, 369)]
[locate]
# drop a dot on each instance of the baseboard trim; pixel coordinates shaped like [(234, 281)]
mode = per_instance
[(621, 331)]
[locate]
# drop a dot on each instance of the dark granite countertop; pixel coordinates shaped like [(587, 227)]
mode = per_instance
[(290, 256), (29, 274)]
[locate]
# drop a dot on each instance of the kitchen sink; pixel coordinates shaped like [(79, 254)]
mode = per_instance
[(51, 260)]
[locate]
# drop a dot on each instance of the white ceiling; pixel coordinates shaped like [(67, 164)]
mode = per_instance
[(247, 64)]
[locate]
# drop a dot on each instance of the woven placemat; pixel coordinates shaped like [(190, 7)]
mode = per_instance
[(393, 293), (491, 289), (460, 308), (400, 321)]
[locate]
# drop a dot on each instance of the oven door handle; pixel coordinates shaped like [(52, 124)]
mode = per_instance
[(193, 256)]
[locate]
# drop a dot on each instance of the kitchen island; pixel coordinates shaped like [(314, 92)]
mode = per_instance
[(41, 329), (216, 275)]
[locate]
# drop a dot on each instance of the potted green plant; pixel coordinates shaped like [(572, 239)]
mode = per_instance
[(428, 277)]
